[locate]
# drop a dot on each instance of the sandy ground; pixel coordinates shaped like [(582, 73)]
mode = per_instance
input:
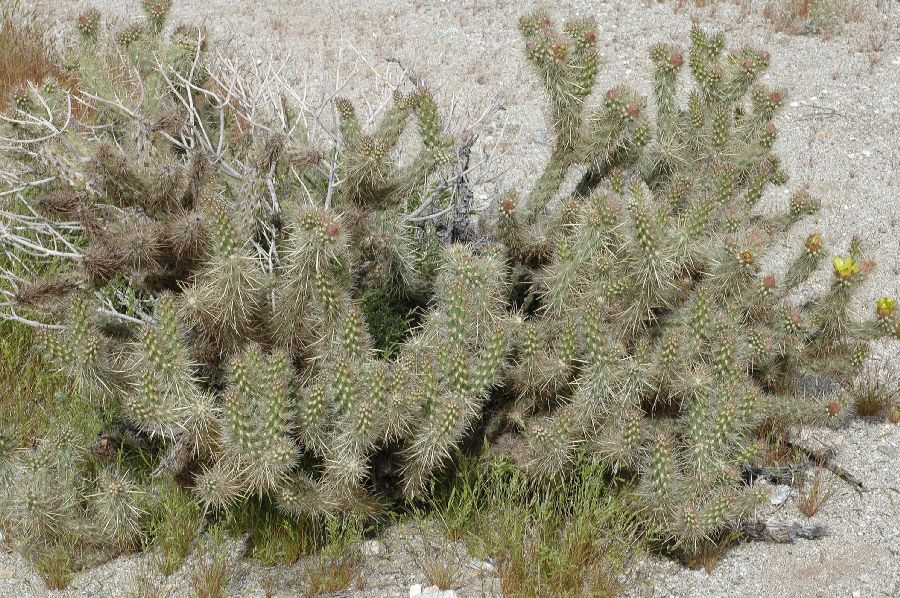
[(838, 139)]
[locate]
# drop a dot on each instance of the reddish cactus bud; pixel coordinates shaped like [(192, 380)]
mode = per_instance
[(866, 266), (612, 94), (776, 98), (633, 110), (758, 237), (508, 204), (332, 230), (590, 37), (769, 283), (544, 22), (833, 408), (676, 60), (748, 64)]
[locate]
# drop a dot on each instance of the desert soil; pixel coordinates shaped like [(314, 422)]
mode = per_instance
[(838, 138)]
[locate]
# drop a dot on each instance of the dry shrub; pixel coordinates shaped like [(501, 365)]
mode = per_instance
[(25, 54)]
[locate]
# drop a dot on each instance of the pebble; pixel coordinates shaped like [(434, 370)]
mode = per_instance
[(780, 494), (888, 451), (417, 591), (372, 548), (484, 566)]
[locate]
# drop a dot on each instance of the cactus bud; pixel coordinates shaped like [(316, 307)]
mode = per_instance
[(507, 204), (813, 244), (344, 107), (676, 60), (129, 35), (89, 24), (559, 52)]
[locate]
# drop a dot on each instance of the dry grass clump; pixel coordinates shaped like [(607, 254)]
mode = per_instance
[(438, 560), (571, 537), (338, 565), (25, 54), (813, 494), (212, 573), (876, 392), (824, 17)]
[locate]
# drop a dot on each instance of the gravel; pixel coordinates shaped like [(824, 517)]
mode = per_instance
[(838, 139)]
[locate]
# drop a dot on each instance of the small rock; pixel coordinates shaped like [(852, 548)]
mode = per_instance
[(416, 591), (889, 451), (371, 548), (780, 494), (856, 594), (484, 566), (7, 573)]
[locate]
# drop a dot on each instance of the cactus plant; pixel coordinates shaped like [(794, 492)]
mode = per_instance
[(213, 303), (668, 350), (219, 265)]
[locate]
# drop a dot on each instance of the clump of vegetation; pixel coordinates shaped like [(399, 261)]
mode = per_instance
[(26, 56), (212, 573), (576, 535), (876, 391), (814, 493), (819, 17), (271, 315)]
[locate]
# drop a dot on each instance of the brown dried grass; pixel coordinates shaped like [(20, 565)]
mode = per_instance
[(25, 52)]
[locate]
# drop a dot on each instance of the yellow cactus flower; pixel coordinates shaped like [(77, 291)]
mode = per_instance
[(844, 267), (884, 307)]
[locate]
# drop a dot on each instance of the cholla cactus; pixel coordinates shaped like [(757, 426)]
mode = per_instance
[(655, 343), (52, 501), (216, 287), (219, 262)]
